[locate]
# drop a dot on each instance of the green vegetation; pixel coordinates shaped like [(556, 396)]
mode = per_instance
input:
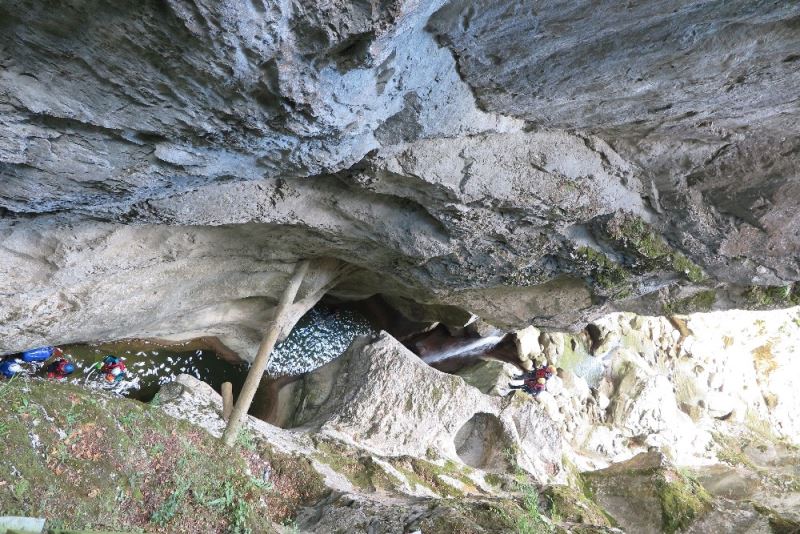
[(603, 271), (702, 301), (428, 475), (772, 296), (360, 469), (85, 460), (682, 498), (778, 524), (651, 251), (646, 481), (456, 516), (570, 503)]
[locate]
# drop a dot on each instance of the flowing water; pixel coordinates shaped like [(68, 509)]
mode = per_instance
[(469, 347), (321, 335), (151, 365)]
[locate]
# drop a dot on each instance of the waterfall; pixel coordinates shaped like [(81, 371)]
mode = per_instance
[(470, 348)]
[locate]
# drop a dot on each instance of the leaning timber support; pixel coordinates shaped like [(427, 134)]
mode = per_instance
[(264, 351), (227, 400)]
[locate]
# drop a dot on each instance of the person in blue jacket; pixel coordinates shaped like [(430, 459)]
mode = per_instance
[(41, 354), (10, 367)]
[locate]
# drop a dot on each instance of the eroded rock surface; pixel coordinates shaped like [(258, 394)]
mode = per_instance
[(384, 398), (163, 163)]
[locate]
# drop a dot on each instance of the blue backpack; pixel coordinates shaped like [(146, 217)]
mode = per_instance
[(37, 355), (9, 368)]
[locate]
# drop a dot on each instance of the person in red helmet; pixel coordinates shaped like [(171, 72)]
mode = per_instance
[(545, 371)]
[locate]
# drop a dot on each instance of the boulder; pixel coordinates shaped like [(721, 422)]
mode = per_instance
[(527, 343), (648, 495), (489, 376), (384, 399)]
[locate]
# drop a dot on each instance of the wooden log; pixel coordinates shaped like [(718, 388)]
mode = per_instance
[(227, 400), (262, 357)]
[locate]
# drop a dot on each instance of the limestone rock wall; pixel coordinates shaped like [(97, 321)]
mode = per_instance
[(163, 163)]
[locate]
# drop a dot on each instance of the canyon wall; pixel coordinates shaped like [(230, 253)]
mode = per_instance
[(163, 163)]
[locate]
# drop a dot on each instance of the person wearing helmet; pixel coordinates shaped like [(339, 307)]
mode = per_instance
[(531, 385), (60, 369), (41, 354), (10, 367), (546, 371), (113, 369)]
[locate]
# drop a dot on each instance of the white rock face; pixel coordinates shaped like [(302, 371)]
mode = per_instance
[(385, 399), (527, 343)]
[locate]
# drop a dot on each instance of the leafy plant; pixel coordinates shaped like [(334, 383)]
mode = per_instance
[(170, 506)]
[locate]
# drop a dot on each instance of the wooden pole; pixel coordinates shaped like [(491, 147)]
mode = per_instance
[(227, 400), (262, 357)]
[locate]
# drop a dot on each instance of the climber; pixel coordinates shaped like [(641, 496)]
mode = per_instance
[(113, 369), (10, 367), (533, 386), (60, 369), (41, 354), (545, 371)]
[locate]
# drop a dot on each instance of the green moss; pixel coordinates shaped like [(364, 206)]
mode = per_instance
[(778, 524), (570, 503), (428, 475), (687, 267), (640, 240), (494, 480), (456, 516), (772, 296), (85, 460), (682, 498), (360, 469), (602, 270), (730, 451), (702, 301)]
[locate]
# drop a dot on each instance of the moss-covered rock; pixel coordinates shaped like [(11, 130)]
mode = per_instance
[(601, 269), (359, 468), (702, 301), (569, 503), (86, 460), (647, 494), (646, 248), (767, 297)]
